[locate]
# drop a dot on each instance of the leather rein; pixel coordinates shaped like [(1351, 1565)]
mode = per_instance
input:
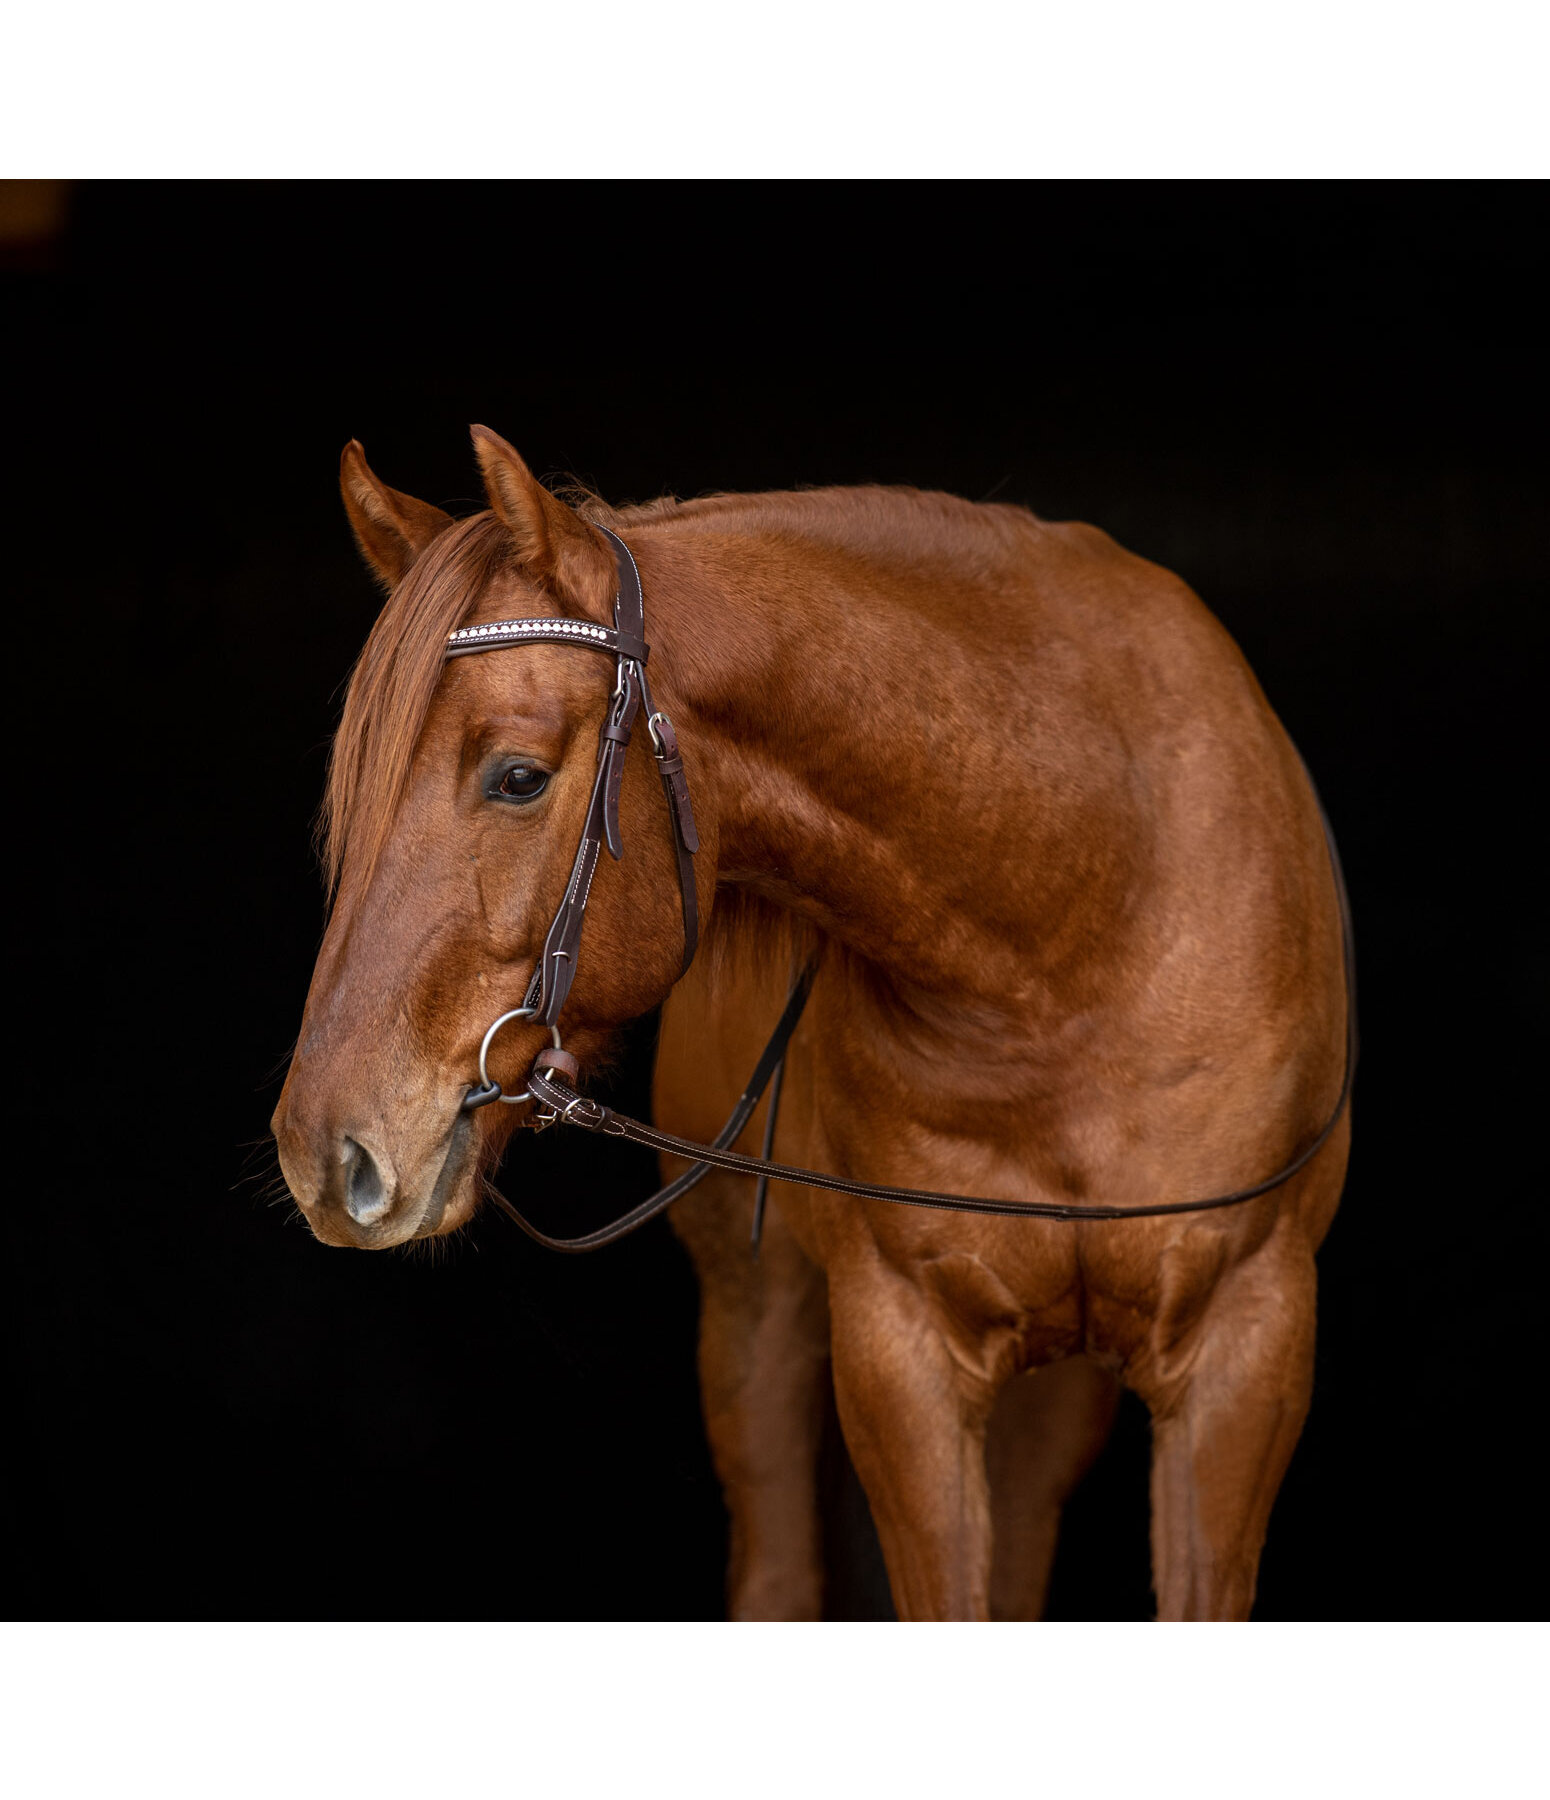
[(551, 1081)]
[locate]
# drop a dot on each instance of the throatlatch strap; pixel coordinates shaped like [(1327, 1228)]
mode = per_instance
[(686, 837)]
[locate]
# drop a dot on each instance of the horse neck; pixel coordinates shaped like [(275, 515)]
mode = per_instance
[(876, 759)]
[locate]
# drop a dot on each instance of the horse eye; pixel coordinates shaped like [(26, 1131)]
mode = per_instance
[(522, 783)]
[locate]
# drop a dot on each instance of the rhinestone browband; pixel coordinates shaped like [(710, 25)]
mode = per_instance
[(555, 631)]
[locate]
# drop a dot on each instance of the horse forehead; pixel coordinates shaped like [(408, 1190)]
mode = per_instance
[(508, 594), (547, 686)]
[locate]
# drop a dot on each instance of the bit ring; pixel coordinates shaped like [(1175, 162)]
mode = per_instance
[(517, 1012)]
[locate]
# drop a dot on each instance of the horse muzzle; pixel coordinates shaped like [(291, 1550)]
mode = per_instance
[(355, 1194)]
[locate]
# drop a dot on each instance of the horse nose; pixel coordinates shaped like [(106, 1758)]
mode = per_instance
[(368, 1191)]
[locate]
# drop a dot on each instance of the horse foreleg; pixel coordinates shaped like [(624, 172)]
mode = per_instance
[(1228, 1403), (1045, 1430), (764, 1369), (914, 1423)]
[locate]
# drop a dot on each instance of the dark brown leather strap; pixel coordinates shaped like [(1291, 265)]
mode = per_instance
[(556, 968), (686, 837), (572, 1109), (761, 1188), (629, 602), (630, 618)]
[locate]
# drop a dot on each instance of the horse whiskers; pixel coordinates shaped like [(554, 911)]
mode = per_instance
[(438, 1249), (277, 1068)]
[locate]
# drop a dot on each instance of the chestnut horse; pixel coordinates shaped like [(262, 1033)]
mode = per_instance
[(1081, 942)]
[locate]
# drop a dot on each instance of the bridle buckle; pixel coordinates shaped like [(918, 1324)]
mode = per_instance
[(590, 1121)]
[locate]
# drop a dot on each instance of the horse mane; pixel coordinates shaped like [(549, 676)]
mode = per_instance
[(892, 525), (391, 685)]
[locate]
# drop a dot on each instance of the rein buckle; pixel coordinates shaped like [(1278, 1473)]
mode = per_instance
[(591, 1120)]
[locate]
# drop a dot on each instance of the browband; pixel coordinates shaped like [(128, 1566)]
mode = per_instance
[(504, 632)]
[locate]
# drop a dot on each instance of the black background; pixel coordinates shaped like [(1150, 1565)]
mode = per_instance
[(1322, 407)]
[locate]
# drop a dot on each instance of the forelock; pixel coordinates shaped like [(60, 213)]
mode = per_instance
[(391, 686)]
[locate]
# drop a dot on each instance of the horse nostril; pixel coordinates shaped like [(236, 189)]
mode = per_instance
[(365, 1192)]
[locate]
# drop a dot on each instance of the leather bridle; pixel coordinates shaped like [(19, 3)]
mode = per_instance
[(626, 643), (551, 1081)]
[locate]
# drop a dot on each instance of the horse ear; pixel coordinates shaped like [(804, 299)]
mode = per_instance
[(391, 528), (554, 544)]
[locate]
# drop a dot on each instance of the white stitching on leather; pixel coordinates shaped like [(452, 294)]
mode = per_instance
[(595, 859)]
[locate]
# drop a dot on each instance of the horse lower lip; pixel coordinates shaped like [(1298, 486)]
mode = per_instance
[(459, 1140)]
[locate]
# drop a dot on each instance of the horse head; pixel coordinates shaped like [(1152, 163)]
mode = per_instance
[(457, 792)]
